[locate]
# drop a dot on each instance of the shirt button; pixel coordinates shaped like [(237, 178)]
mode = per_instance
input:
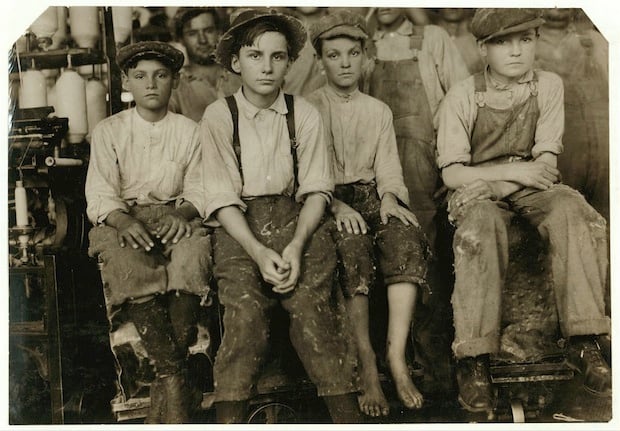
[(268, 177), (141, 196)]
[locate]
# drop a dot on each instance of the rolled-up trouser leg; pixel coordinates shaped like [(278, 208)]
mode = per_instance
[(480, 260), (577, 237)]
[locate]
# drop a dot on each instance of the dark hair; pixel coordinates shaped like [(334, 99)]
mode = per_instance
[(318, 43), (193, 13), (246, 35)]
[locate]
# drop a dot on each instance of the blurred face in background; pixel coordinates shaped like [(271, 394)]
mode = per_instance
[(388, 16), (200, 36)]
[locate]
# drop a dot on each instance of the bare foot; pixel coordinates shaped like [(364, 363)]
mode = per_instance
[(372, 401), (407, 391)]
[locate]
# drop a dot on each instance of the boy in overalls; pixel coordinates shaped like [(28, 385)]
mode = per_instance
[(369, 206), (499, 136), (413, 68), (143, 191), (269, 181)]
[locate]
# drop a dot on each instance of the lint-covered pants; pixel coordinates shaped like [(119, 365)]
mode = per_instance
[(577, 244), (318, 322)]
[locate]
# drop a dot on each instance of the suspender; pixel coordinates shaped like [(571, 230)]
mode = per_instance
[(290, 123)]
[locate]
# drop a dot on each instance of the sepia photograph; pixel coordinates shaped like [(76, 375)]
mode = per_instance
[(309, 215)]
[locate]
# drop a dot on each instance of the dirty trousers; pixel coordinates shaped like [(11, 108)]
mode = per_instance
[(318, 322), (577, 245), (401, 251), (134, 273)]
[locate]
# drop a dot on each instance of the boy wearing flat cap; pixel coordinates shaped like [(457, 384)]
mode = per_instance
[(143, 192), (500, 132), (201, 81), (269, 179), (369, 206)]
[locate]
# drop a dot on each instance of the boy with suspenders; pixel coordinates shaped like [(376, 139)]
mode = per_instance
[(268, 180)]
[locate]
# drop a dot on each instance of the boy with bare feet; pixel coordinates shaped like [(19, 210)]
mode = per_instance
[(369, 206)]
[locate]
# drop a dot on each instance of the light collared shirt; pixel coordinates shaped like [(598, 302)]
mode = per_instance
[(457, 115), (194, 92), (136, 162), (441, 64), (266, 158), (361, 139)]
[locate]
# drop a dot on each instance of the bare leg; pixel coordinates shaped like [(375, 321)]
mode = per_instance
[(401, 303), (372, 400)]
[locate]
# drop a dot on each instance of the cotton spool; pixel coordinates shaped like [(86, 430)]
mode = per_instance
[(84, 21), (122, 20), (21, 204), (32, 89), (71, 103)]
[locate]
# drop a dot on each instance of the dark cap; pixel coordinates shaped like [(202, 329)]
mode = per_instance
[(489, 23), (296, 33), (340, 23), (185, 14), (151, 50)]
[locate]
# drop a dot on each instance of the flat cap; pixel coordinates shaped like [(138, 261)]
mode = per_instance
[(291, 26), (340, 23), (150, 50), (489, 23), (185, 14)]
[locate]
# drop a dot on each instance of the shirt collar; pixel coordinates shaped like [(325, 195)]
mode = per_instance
[(250, 110), (405, 29), (144, 123), (340, 96), (523, 79)]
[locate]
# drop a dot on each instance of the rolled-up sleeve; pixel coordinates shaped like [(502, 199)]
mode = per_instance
[(314, 172), (388, 170), (457, 114), (220, 169), (193, 189), (103, 183), (550, 125)]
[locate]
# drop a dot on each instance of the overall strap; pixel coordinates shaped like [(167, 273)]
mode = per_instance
[(234, 111), (415, 40), (480, 87), (290, 123)]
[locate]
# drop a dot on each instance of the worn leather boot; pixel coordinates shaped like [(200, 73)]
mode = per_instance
[(475, 389), (585, 356), (176, 394), (158, 404)]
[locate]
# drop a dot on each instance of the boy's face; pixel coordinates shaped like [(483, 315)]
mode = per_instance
[(151, 83), (200, 37), (342, 60), (388, 15), (511, 55), (263, 65)]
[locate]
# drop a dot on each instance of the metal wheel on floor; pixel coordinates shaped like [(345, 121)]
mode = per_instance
[(273, 413)]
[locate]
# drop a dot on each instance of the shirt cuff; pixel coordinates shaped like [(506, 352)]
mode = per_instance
[(99, 216), (552, 147), (444, 162), (217, 201), (323, 187)]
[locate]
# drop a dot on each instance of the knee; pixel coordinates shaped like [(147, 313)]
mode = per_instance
[(480, 223), (569, 205)]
